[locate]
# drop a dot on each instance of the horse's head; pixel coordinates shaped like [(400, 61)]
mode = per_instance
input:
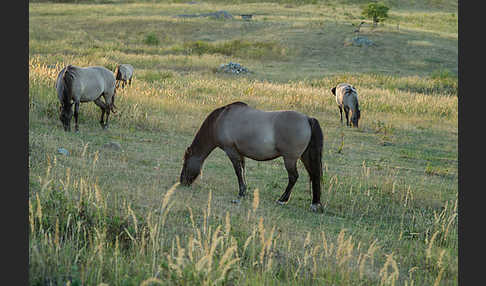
[(66, 115), (191, 168)]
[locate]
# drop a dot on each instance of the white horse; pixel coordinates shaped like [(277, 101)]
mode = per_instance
[(82, 84), (124, 73), (347, 99)]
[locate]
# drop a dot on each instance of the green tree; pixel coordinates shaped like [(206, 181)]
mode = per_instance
[(377, 12)]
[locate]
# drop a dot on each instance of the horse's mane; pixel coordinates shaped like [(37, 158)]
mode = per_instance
[(68, 78), (205, 133)]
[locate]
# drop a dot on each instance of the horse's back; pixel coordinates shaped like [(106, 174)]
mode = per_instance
[(263, 135), (90, 82), (346, 95)]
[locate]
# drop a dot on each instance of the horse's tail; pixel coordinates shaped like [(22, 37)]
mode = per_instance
[(117, 75), (68, 78), (313, 155), (112, 105), (117, 72)]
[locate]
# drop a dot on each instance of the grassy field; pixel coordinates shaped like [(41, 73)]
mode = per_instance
[(111, 217)]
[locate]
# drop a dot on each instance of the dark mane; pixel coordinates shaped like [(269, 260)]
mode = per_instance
[(68, 78), (205, 133)]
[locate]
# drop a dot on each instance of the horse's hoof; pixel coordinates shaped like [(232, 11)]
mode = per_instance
[(236, 201), (280, 202), (317, 208)]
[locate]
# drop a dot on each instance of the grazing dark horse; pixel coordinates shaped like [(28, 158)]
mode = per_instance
[(124, 74), (347, 99), (82, 84), (242, 131)]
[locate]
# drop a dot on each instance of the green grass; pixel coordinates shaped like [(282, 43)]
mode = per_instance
[(389, 187)]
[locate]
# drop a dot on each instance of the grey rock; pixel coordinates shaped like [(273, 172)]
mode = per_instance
[(218, 14), (362, 41), (234, 68), (63, 151)]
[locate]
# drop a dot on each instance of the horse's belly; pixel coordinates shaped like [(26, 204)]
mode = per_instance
[(260, 148)]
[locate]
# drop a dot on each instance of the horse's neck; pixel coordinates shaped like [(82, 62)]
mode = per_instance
[(202, 150), (204, 142)]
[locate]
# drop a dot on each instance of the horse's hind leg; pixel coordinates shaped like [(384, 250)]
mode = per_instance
[(76, 113), (346, 112), (103, 107), (238, 164), (341, 113), (314, 180), (291, 166), (305, 158), (107, 108)]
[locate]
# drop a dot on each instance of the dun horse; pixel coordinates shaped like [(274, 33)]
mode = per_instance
[(347, 99), (242, 131), (83, 84), (124, 74)]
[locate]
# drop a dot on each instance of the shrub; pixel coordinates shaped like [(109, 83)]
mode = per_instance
[(377, 12), (151, 39)]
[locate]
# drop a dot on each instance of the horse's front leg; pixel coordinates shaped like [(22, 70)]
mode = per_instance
[(76, 113), (238, 164), (291, 166)]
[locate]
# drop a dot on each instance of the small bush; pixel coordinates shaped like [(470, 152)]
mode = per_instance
[(151, 39), (377, 12)]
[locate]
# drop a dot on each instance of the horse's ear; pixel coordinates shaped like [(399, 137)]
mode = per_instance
[(333, 90)]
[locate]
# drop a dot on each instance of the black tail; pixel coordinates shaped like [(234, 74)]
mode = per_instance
[(312, 158), (117, 71), (112, 105)]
